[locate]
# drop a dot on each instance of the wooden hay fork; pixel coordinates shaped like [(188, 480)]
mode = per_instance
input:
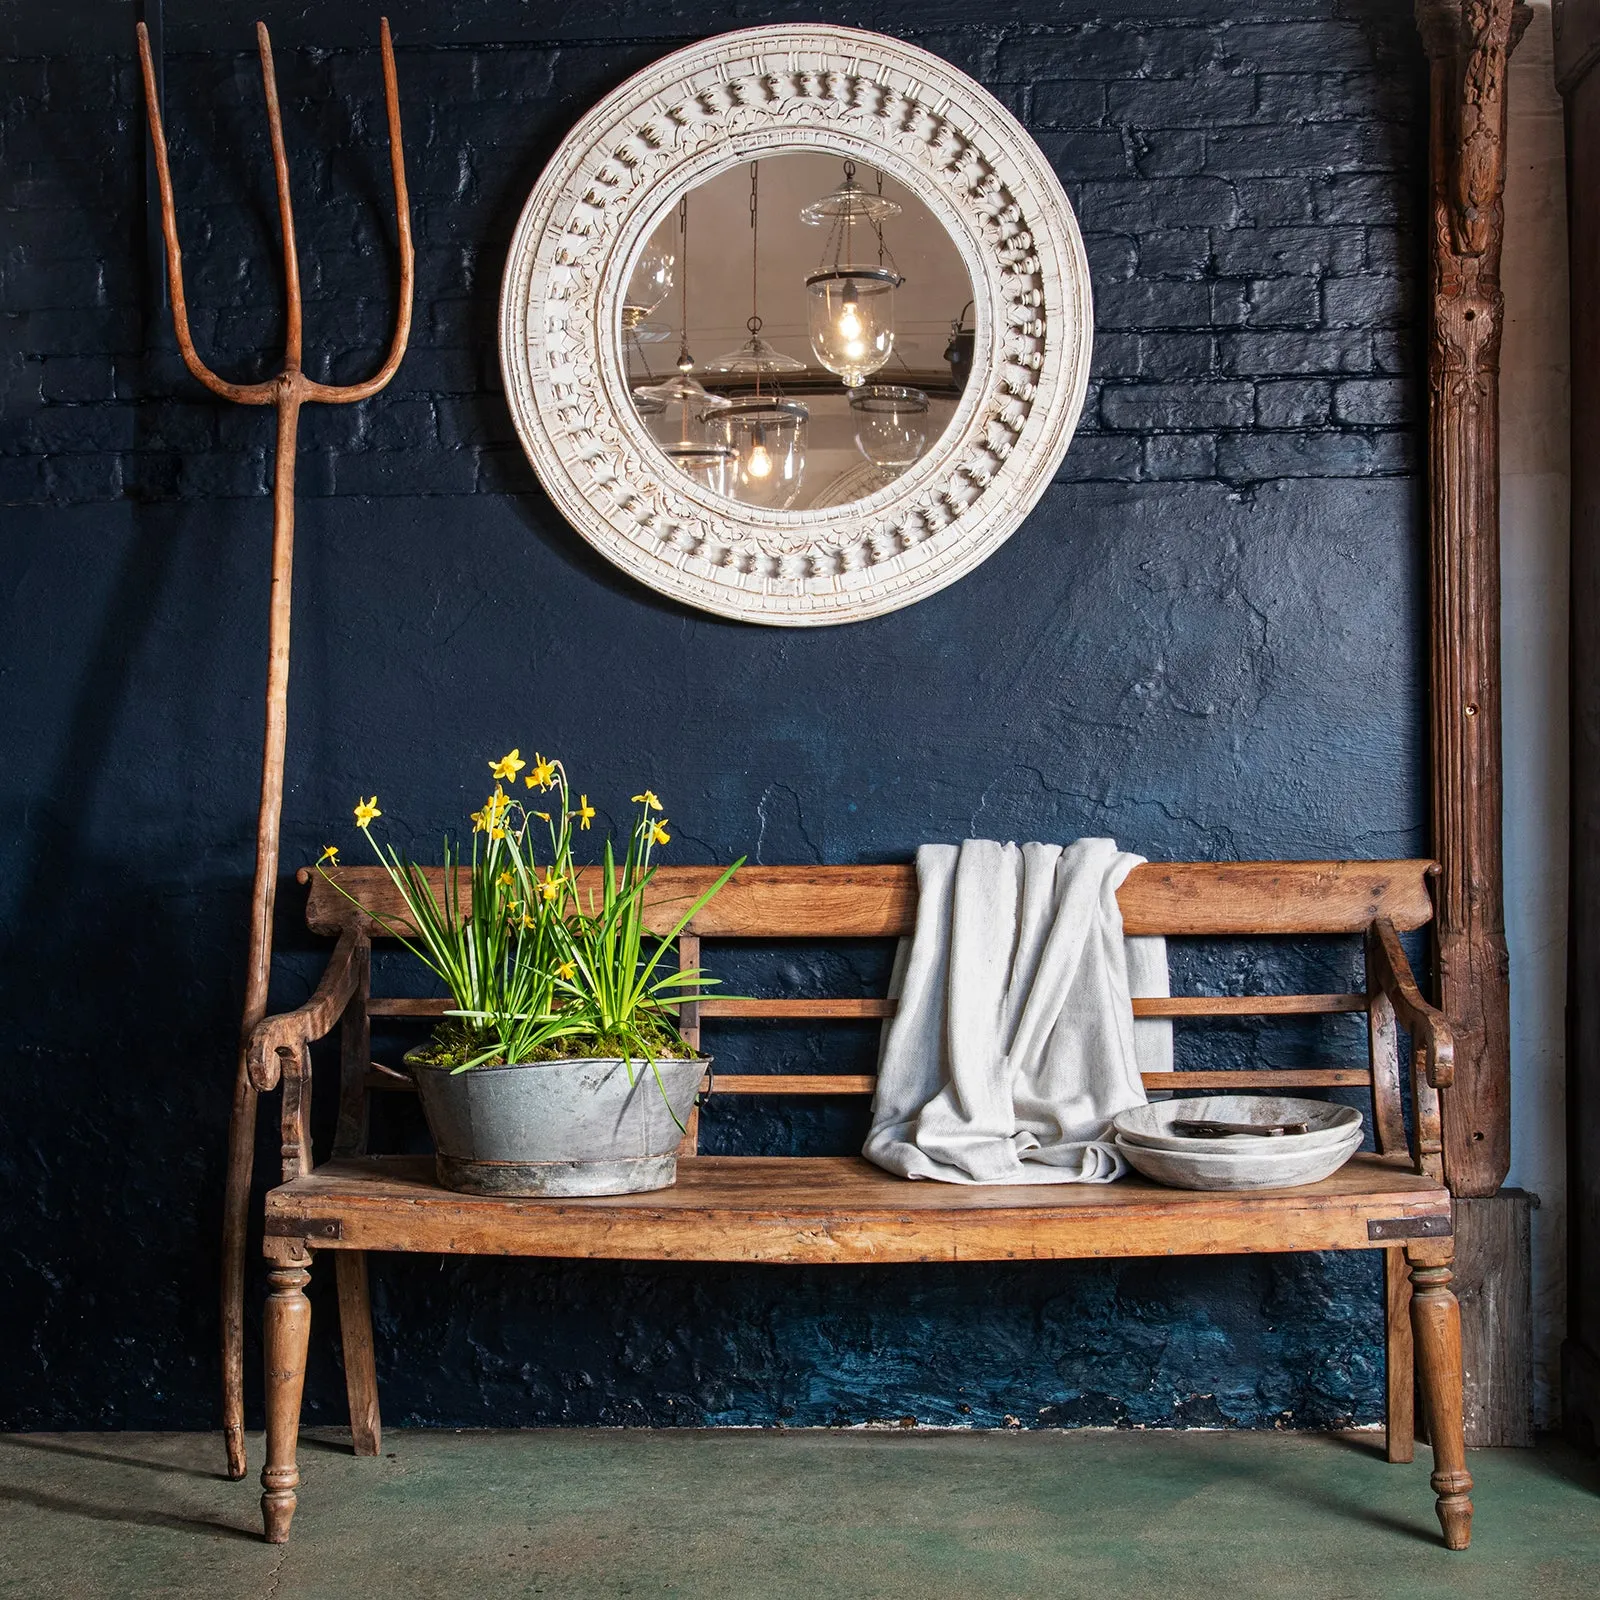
[(288, 392)]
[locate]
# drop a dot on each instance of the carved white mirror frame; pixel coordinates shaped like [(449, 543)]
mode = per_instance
[(697, 112)]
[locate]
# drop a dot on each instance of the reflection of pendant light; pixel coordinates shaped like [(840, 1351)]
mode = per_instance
[(766, 436), (891, 423), (755, 356), (851, 305), (686, 445), (649, 284), (767, 433)]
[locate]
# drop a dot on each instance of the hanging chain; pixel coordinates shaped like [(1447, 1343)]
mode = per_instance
[(638, 346), (754, 324), (836, 239), (877, 221), (849, 215), (685, 361)]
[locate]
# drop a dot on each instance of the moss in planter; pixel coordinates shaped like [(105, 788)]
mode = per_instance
[(454, 1042)]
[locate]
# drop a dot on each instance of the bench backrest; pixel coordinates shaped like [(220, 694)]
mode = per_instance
[(1175, 899)]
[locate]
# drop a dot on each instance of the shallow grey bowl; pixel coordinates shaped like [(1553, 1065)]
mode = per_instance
[(1226, 1171), (1151, 1125)]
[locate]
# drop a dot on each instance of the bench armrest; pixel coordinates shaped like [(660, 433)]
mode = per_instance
[(284, 1037), (1389, 971)]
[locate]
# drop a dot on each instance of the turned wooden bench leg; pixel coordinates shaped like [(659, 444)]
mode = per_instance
[(1436, 1326), (360, 1364), (287, 1335), (1401, 1361)]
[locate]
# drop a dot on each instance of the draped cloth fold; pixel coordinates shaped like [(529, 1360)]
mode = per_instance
[(1014, 1044)]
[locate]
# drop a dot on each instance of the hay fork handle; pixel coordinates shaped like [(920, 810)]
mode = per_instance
[(288, 392)]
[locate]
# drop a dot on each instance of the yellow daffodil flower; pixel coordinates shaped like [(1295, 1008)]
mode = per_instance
[(505, 880), (543, 775), (330, 853), (658, 832), (528, 922), (508, 766), (549, 886), (567, 970), (543, 816), (493, 814), (585, 812), (367, 812), (647, 800)]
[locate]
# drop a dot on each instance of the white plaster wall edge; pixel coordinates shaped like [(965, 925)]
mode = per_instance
[(1534, 553)]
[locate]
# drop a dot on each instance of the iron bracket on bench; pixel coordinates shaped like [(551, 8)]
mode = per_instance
[(1410, 1228)]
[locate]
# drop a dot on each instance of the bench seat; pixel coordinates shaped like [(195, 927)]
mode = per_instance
[(803, 1210), (798, 1209)]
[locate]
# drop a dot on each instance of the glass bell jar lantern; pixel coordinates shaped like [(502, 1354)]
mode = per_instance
[(766, 437), (676, 414), (765, 431), (649, 284), (709, 465), (891, 423), (850, 302)]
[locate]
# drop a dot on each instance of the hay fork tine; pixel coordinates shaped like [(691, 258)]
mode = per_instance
[(288, 391), (280, 175)]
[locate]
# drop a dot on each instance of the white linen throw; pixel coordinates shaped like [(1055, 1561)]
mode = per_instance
[(1014, 1044)]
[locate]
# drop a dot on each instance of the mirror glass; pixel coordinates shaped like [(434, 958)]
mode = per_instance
[(797, 331)]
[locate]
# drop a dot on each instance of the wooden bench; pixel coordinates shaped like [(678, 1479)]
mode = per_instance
[(841, 1209)]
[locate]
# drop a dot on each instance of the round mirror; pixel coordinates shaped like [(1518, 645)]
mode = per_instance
[(810, 313), (796, 325)]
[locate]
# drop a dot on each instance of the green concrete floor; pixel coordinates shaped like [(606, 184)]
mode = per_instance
[(935, 1516)]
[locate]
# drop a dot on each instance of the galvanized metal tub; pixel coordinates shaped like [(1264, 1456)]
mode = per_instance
[(558, 1127)]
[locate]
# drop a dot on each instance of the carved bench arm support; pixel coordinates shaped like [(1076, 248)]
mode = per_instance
[(284, 1038), (1388, 970)]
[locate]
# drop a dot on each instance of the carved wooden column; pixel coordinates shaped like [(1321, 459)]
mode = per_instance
[(1468, 43)]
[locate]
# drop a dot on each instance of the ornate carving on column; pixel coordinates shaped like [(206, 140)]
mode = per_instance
[(1468, 43)]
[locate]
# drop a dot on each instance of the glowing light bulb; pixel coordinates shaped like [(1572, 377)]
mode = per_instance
[(850, 316), (760, 463)]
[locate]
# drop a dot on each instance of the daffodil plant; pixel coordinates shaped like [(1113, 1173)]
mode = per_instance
[(539, 969)]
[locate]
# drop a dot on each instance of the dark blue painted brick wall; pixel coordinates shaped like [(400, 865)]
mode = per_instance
[(1247, 194), (1207, 641)]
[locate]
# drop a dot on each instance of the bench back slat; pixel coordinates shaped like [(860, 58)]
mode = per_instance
[(1174, 898), (851, 1009), (1198, 1005), (813, 1083), (1273, 1078)]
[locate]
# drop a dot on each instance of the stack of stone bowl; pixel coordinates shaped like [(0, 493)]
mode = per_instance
[(1238, 1160)]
